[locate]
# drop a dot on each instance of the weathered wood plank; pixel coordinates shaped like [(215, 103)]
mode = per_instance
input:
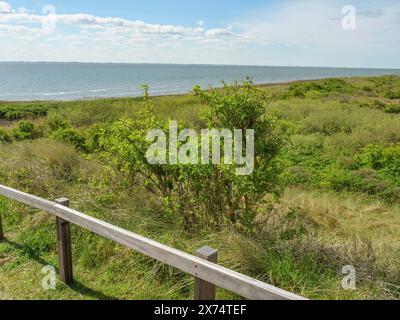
[(204, 290), (222, 277), (25, 198), (64, 245)]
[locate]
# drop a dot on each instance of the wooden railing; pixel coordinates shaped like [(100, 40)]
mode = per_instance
[(203, 267)]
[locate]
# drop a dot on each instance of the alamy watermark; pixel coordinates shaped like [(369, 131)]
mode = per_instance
[(349, 21), (349, 281), (182, 147), (49, 280), (49, 20)]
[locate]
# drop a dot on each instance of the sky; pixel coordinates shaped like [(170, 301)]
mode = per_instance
[(330, 33)]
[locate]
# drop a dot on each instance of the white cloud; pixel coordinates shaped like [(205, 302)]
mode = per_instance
[(88, 20), (219, 32), (5, 7), (23, 10)]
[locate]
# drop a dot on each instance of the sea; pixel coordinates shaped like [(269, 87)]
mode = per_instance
[(28, 81)]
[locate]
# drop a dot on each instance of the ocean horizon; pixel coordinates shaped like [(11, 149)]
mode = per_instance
[(32, 81)]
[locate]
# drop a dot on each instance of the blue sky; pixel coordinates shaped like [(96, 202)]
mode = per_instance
[(262, 32)]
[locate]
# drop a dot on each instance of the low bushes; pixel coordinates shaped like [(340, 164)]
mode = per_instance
[(393, 109), (392, 95), (374, 171), (61, 130), (25, 131), (71, 136), (385, 160), (4, 136), (22, 111), (320, 89)]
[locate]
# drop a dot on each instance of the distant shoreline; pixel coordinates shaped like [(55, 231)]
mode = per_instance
[(199, 64)]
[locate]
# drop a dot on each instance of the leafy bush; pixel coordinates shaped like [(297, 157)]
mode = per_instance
[(4, 136), (17, 112), (71, 136), (299, 175), (386, 160), (321, 88), (366, 180), (379, 104), (367, 89), (387, 87), (337, 179), (56, 122), (204, 192), (94, 134), (25, 131), (392, 95), (393, 109), (391, 195)]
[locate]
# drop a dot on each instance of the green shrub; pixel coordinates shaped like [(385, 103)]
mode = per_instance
[(386, 160), (320, 88), (392, 95), (4, 136), (337, 179), (205, 192), (392, 109), (387, 86), (391, 195), (94, 135), (56, 122), (379, 104), (367, 89), (299, 175), (25, 131), (21, 111), (366, 180), (71, 136)]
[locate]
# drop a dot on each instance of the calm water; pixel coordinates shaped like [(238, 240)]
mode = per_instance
[(68, 81)]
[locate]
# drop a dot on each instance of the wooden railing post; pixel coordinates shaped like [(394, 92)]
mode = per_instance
[(204, 290), (64, 246)]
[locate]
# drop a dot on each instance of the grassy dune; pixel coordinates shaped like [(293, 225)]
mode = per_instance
[(341, 205)]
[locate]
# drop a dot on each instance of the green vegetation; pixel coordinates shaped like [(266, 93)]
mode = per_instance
[(25, 131), (23, 110), (326, 192), (198, 194)]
